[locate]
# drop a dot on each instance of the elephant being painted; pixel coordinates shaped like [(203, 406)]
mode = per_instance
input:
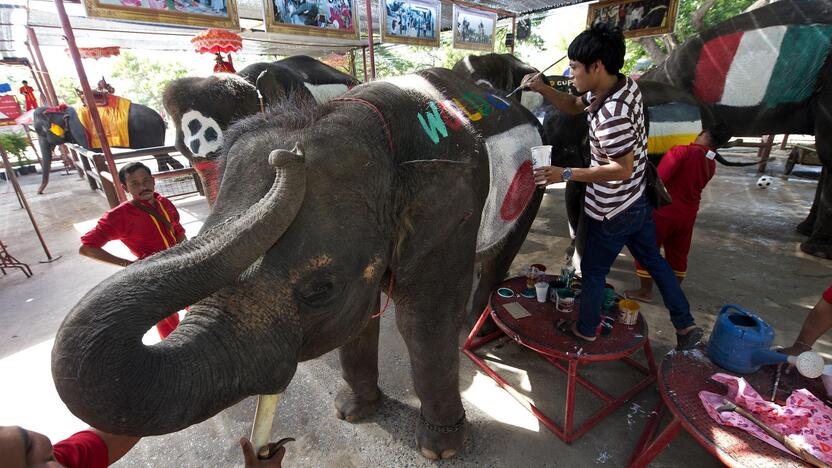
[(202, 109), (419, 185), (62, 124), (768, 71)]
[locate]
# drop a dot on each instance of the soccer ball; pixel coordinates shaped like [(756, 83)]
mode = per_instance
[(764, 182)]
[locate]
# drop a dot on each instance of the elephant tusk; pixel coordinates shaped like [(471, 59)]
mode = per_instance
[(261, 429)]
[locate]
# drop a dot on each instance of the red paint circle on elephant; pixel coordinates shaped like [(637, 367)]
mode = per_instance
[(519, 193)]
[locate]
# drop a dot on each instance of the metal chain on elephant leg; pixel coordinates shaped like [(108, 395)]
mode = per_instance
[(443, 429)]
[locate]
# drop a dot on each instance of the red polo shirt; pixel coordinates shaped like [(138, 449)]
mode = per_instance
[(84, 449), (139, 231), (827, 295), (685, 171)]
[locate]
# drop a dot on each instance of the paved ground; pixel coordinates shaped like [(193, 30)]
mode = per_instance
[(745, 251)]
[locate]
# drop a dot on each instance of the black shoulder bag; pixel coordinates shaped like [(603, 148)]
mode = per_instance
[(656, 191)]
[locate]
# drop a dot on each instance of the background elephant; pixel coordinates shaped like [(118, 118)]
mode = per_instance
[(377, 190), (202, 109), (768, 72), (145, 127)]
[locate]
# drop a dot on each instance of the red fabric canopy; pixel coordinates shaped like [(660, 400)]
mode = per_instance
[(213, 41), (97, 52)]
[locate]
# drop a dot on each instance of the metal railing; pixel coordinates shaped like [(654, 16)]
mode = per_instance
[(92, 165)]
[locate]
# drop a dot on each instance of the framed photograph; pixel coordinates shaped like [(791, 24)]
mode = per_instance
[(414, 22), (636, 18), (473, 28), (209, 13), (331, 18)]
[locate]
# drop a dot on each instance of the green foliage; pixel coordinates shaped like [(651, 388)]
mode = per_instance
[(65, 88), (15, 145), (147, 78)]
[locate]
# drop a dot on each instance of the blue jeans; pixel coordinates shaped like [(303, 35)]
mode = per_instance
[(604, 240)]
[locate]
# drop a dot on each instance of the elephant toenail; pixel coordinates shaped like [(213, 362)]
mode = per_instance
[(429, 454), (448, 453)]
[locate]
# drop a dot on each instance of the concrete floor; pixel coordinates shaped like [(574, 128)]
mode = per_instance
[(745, 252)]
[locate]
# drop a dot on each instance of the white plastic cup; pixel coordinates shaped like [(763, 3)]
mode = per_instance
[(826, 377), (541, 156), (542, 290)]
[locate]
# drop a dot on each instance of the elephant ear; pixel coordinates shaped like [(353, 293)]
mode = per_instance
[(437, 196), (79, 134), (269, 87)]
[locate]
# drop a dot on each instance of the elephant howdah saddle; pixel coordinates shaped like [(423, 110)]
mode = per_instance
[(114, 116)]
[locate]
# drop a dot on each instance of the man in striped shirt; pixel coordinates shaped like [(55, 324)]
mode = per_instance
[(618, 212)]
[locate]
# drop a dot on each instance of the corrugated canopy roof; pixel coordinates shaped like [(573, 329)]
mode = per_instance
[(91, 32)]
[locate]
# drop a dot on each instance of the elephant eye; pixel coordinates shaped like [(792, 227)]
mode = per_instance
[(317, 293)]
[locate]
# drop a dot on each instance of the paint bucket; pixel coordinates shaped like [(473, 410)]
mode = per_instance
[(628, 311), (565, 300)]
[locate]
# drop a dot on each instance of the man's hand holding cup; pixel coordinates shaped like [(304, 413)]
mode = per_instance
[(548, 175)]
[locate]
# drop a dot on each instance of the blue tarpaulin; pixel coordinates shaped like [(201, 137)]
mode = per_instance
[(5, 88)]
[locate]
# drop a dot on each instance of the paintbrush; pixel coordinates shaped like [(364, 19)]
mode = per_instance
[(797, 450), (535, 76)]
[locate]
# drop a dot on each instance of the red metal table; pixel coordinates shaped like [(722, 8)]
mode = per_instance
[(538, 333), (681, 377)]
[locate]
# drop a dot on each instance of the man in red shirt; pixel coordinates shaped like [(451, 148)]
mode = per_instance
[(685, 171), (818, 322), (28, 93), (92, 448), (147, 224)]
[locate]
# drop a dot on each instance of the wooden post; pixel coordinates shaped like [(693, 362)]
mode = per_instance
[(369, 4), (764, 152), (22, 198), (96, 118), (47, 80), (514, 34)]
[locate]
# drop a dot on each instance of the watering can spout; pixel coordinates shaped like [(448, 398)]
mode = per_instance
[(809, 364)]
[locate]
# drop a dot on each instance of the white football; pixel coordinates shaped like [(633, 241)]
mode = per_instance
[(764, 182)]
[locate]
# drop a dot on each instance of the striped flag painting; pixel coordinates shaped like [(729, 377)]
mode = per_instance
[(672, 124), (766, 66)]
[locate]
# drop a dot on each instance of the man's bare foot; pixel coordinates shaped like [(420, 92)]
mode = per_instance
[(640, 295)]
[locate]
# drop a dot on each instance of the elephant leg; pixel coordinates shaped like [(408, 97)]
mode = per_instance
[(573, 197), (429, 316), (819, 220), (360, 396), (46, 156), (494, 268), (819, 242), (808, 225)]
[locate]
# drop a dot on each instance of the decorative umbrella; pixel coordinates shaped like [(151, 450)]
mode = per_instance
[(335, 60), (97, 52), (215, 41)]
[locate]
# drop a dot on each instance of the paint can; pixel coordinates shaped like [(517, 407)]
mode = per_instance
[(628, 309)]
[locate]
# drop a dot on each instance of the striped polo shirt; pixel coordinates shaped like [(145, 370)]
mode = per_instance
[(616, 128)]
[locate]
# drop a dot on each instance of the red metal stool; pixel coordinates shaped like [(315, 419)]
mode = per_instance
[(538, 333), (7, 261), (682, 375)]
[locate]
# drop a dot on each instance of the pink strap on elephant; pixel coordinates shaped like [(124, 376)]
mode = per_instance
[(387, 302)]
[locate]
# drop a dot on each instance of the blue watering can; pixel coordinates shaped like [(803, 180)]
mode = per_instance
[(741, 341)]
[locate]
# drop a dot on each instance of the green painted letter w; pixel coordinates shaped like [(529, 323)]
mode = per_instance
[(434, 124)]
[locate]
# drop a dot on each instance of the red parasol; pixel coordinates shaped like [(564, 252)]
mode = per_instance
[(97, 52), (336, 60), (213, 41)]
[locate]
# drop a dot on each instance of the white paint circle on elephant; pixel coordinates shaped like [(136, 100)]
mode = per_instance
[(201, 134)]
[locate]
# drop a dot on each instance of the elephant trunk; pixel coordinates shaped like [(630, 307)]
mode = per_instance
[(108, 378), (728, 163)]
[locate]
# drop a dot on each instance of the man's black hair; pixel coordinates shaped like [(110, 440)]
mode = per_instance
[(719, 135), (24, 81), (130, 168), (600, 42)]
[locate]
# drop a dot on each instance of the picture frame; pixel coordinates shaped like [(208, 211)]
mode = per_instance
[(414, 22), (328, 18), (636, 18), (207, 13), (474, 28)]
